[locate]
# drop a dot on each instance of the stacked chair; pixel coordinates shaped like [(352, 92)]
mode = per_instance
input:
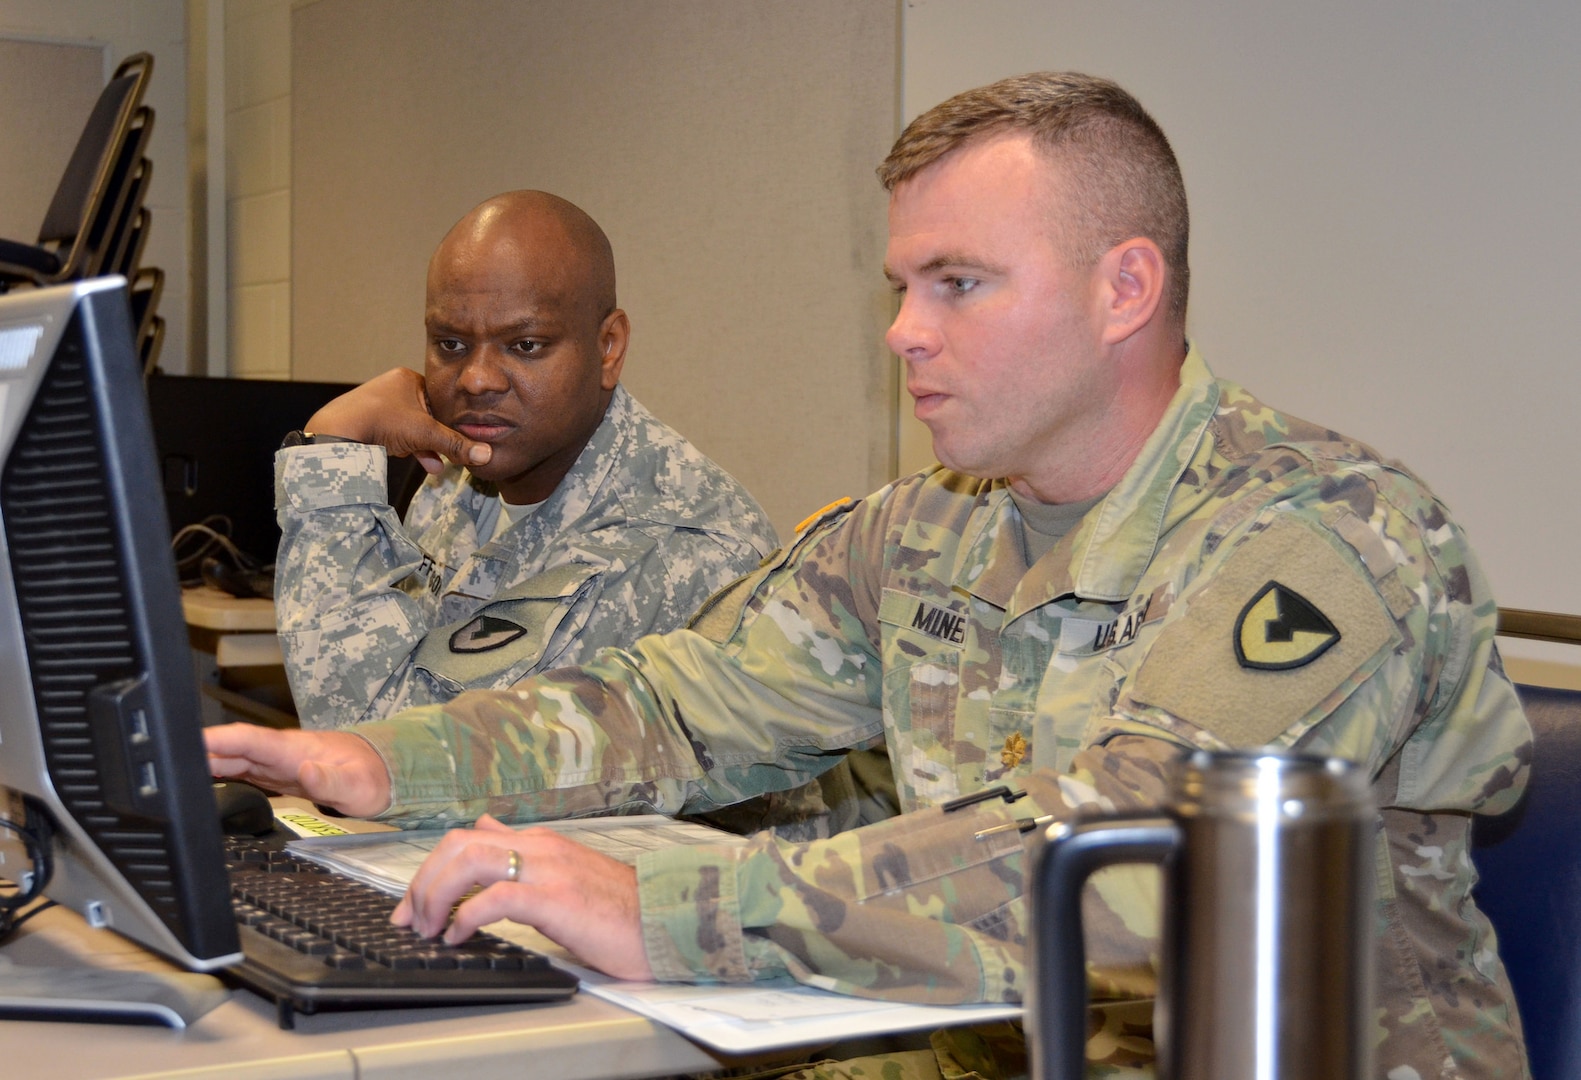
[(97, 223)]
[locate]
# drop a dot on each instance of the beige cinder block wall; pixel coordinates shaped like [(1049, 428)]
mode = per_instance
[(726, 146), (257, 129)]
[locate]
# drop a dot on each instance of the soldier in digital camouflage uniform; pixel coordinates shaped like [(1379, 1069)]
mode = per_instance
[(1233, 577), (633, 527)]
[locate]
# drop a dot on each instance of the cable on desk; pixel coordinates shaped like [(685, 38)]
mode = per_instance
[(211, 535), (36, 833), (13, 922)]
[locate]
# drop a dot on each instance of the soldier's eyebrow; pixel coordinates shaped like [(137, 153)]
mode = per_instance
[(527, 324), (949, 260)]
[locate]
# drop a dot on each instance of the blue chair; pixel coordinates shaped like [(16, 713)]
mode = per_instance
[(1529, 861)]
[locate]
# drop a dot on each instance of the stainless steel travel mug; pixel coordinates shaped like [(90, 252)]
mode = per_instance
[(1266, 964)]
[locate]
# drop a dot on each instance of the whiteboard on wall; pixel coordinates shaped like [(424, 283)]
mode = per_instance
[(1384, 215)]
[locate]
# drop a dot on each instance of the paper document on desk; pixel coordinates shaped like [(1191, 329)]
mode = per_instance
[(745, 1018), (739, 1018)]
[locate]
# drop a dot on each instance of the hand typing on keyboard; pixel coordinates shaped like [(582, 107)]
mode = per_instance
[(313, 939), (576, 897)]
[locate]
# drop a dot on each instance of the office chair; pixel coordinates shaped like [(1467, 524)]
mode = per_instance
[(1529, 863), (92, 189)]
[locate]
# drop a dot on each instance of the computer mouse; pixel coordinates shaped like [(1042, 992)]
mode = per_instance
[(243, 809)]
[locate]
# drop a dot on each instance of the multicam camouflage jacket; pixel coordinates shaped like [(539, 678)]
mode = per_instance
[(375, 617), (1253, 580)]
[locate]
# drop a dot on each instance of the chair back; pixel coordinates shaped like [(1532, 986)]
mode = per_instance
[(94, 156), (1529, 863), (150, 343), (130, 261)]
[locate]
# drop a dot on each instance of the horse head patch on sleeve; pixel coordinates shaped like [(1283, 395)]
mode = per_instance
[(484, 633), (1280, 629)]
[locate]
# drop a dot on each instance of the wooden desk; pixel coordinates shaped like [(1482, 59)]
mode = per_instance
[(582, 1039)]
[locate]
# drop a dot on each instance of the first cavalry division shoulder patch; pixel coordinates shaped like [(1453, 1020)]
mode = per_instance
[(484, 633), (1280, 629)]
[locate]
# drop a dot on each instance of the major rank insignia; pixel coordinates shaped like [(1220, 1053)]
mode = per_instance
[(1280, 629), (484, 633), (1015, 749)]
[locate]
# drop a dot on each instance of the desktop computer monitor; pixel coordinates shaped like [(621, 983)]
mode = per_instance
[(101, 750), (216, 439)]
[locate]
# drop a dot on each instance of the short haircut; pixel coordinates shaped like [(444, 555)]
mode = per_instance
[(1122, 175)]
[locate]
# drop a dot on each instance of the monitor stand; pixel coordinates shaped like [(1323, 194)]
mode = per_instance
[(41, 981)]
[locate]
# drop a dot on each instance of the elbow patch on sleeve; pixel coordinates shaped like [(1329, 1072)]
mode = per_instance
[(1287, 627)]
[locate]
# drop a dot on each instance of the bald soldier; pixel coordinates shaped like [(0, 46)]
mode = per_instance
[(1119, 558), (577, 520)]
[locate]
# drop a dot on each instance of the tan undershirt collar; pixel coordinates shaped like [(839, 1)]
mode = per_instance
[(1044, 524)]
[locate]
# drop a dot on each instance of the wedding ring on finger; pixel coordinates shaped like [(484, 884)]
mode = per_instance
[(513, 872)]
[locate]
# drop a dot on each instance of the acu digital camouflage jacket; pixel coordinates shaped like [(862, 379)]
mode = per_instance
[(1253, 580), (375, 617)]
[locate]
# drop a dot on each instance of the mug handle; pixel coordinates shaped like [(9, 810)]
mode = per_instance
[(1071, 853)]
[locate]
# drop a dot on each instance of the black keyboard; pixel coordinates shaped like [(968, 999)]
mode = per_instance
[(313, 939)]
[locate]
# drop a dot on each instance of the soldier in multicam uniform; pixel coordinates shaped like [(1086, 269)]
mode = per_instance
[(1233, 577), (589, 524)]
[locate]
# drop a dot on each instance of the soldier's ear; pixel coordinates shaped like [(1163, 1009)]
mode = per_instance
[(1131, 282), (614, 334)]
